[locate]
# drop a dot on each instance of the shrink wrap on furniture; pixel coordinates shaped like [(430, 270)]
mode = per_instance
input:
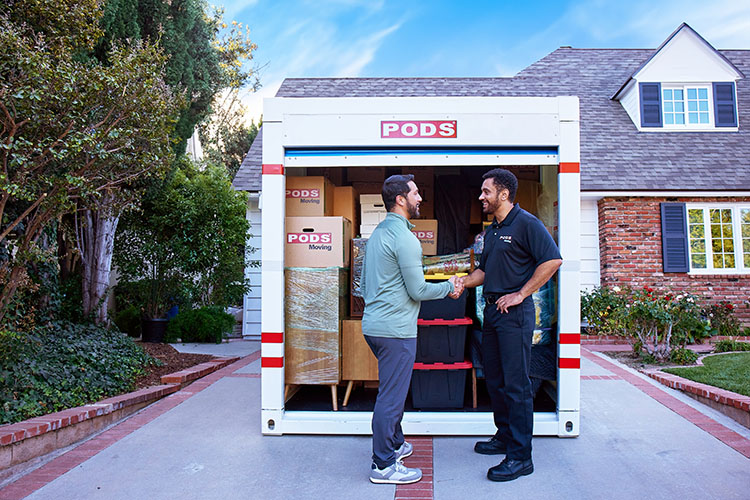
[(314, 307)]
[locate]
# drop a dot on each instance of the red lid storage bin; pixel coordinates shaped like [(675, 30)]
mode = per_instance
[(439, 385), (441, 341)]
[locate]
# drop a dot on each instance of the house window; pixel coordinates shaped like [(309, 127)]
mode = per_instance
[(719, 238), (686, 106)]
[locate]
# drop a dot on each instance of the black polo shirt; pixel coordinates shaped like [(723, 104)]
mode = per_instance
[(513, 249)]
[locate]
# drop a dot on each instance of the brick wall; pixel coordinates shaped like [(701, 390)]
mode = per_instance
[(630, 251)]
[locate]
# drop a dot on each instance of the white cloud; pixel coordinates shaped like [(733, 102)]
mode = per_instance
[(362, 52)]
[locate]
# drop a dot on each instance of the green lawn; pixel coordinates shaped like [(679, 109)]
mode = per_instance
[(728, 371)]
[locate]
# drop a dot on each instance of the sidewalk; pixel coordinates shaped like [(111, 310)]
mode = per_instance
[(204, 442)]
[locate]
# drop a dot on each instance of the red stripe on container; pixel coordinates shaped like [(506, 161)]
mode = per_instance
[(570, 363), (570, 338), (272, 337), (569, 168), (273, 169), (271, 362)]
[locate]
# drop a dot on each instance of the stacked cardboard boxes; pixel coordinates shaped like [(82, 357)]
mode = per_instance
[(372, 213)]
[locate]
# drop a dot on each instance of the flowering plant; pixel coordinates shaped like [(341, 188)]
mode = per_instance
[(722, 318), (651, 320), (602, 308)]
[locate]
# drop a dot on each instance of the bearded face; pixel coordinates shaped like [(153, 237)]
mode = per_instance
[(491, 202)]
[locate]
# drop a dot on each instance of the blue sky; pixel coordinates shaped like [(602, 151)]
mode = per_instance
[(379, 38)]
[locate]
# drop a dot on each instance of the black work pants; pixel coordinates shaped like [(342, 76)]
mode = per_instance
[(506, 351), (395, 364)]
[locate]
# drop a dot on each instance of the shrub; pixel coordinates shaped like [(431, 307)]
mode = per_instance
[(731, 345), (683, 356), (206, 324), (601, 307), (62, 365), (722, 318), (129, 321), (651, 321)]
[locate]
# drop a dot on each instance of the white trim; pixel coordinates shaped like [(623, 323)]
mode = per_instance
[(416, 423), (739, 268), (598, 195), (683, 130)]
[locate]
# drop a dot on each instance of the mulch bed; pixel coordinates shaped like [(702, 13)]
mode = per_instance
[(173, 360)]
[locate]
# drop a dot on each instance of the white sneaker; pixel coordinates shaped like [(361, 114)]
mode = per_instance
[(397, 473), (404, 451)]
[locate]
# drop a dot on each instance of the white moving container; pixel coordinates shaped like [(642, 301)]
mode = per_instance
[(485, 132)]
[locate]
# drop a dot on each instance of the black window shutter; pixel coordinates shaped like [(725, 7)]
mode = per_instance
[(674, 241), (650, 104), (725, 109)]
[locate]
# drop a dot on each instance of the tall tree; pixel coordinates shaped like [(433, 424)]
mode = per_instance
[(199, 64), (70, 131)]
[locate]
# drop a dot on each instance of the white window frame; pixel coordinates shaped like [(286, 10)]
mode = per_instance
[(739, 260), (684, 87)]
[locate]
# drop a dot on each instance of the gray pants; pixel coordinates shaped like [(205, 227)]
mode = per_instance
[(395, 364)]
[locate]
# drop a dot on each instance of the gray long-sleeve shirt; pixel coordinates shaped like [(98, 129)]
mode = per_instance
[(392, 282)]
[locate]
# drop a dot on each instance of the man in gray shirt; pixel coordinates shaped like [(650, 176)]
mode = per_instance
[(393, 286)]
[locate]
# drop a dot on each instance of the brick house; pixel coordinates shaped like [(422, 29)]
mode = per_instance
[(665, 157)]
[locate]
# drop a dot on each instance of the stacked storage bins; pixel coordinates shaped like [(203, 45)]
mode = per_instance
[(439, 375)]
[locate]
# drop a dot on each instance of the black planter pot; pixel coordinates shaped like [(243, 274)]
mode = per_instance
[(153, 330)]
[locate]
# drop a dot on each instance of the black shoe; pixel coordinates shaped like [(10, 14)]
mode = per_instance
[(492, 447), (510, 469)]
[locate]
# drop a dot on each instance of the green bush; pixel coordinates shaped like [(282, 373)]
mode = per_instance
[(63, 365), (602, 308), (683, 356), (651, 320), (129, 321), (731, 345), (722, 318), (206, 324)]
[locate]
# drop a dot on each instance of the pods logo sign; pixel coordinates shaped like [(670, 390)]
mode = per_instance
[(420, 129), (424, 235), (307, 238), (303, 193)]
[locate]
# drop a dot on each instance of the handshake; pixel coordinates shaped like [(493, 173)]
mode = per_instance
[(458, 286)]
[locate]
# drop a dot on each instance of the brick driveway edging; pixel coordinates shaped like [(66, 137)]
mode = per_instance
[(25, 441)]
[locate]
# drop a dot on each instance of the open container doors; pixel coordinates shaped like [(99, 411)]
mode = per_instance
[(485, 132)]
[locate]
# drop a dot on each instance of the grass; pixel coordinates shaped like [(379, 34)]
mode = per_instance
[(728, 371)]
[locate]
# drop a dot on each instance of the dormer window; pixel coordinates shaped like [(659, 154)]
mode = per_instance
[(688, 106), (685, 106), (686, 85)]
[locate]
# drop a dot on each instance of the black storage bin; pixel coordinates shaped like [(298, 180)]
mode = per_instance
[(439, 385), (441, 341), (445, 308)]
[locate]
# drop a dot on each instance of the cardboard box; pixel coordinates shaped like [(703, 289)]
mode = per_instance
[(366, 174), (317, 241), (373, 218), (346, 204), (357, 360), (309, 197), (426, 232), (371, 199), (365, 230), (372, 209)]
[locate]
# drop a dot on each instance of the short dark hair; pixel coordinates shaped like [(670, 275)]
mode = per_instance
[(393, 186), (503, 179)]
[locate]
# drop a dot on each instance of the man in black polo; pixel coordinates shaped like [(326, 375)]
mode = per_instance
[(519, 257)]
